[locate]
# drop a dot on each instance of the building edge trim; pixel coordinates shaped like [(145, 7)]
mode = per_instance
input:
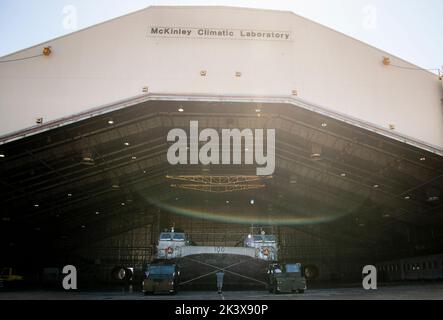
[(296, 101)]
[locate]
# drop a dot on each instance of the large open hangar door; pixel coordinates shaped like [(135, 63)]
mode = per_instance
[(96, 189)]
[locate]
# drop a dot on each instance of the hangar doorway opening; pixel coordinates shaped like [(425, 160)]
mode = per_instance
[(97, 190)]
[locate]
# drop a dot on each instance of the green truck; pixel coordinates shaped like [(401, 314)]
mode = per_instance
[(161, 277), (286, 278)]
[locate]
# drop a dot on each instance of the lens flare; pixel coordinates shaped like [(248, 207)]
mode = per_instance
[(234, 216)]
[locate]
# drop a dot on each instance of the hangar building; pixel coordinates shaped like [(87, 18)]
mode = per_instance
[(84, 121)]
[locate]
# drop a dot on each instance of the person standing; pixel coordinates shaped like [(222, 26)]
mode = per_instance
[(220, 275)]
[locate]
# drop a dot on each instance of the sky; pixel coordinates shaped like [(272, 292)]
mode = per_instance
[(409, 29)]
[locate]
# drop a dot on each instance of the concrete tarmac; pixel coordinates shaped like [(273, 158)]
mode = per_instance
[(429, 291)]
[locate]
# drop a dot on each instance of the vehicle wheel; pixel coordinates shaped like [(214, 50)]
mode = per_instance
[(311, 272), (119, 273), (300, 291)]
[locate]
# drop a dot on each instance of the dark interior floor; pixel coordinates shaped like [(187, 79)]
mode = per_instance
[(392, 291)]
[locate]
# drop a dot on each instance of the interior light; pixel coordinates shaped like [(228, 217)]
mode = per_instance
[(127, 144), (111, 122), (432, 195), (87, 158), (181, 109), (2, 155), (316, 152), (324, 124), (422, 159)]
